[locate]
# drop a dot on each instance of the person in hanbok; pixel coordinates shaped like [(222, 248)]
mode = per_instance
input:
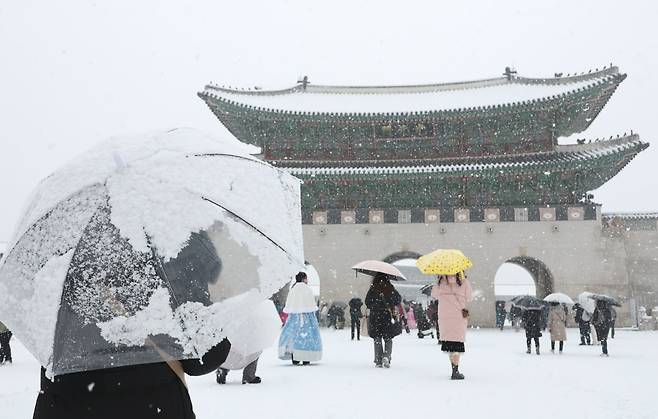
[(300, 339)]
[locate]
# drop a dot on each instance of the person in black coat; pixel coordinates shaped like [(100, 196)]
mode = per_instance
[(602, 320), (355, 317), (383, 325), (5, 347), (143, 391), (532, 323), (583, 325), (501, 314)]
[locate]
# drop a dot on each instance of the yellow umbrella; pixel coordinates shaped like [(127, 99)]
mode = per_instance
[(443, 262)]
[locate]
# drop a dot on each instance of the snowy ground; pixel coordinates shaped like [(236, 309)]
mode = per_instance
[(502, 381)]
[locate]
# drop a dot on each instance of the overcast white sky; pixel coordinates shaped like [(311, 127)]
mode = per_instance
[(74, 73)]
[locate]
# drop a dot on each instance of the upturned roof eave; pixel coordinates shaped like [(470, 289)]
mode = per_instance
[(412, 88), (568, 158), (502, 108)]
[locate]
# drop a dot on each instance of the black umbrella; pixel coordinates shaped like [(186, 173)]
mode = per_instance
[(339, 304), (605, 298), (528, 302)]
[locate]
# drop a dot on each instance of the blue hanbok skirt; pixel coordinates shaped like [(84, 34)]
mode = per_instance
[(300, 338)]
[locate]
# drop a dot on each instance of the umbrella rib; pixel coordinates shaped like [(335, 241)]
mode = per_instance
[(249, 224)]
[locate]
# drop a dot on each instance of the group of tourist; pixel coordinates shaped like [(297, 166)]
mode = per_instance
[(300, 340), (603, 319)]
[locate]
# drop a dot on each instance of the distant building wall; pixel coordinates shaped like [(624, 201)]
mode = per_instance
[(580, 255)]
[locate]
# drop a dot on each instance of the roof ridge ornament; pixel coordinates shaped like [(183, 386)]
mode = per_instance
[(510, 72), (303, 80)]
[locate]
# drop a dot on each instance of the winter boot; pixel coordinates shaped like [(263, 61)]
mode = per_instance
[(529, 349), (221, 376), (537, 349), (456, 375), (255, 380), (386, 363)]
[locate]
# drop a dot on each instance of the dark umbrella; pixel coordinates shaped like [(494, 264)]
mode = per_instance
[(129, 251), (427, 289), (339, 304), (528, 302), (605, 298)]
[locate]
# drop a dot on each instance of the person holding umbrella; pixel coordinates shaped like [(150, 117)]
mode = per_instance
[(300, 339), (583, 325), (602, 319), (557, 325), (383, 300), (531, 318), (557, 318), (452, 291), (355, 317), (114, 282), (258, 331)]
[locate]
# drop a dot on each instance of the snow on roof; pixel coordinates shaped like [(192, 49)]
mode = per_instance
[(561, 154), (414, 98), (631, 215)]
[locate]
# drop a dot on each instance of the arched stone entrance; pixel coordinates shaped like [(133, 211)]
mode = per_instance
[(400, 256), (511, 280), (539, 272)]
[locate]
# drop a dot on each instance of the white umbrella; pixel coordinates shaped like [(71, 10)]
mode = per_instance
[(586, 302), (558, 297), (140, 242), (373, 267), (251, 335)]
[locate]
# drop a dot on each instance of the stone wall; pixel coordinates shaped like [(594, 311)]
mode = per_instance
[(580, 255)]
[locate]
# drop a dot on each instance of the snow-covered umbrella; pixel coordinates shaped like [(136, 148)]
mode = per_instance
[(588, 304), (606, 298), (137, 246), (528, 302), (558, 297), (373, 267)]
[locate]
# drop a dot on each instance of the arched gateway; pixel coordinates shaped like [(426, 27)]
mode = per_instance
[(472, 165)]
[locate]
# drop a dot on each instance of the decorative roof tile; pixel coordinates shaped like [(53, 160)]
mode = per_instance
[(415, 99), (580, 153)]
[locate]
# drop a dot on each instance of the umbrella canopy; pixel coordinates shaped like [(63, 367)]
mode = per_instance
[(606, 298), (257, 331), (339, 304), (373, 267), (142, 242), (558, 297), (443, 262), (528, 302), (427, 290), (587, 303)]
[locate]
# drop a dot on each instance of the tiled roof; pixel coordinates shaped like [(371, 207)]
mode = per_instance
[(536, 161), (631, 215), (479, 94)]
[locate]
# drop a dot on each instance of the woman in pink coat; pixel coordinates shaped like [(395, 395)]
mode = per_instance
[(453, 292)]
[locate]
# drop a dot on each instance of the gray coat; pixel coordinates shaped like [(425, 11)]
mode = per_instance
[(557, 323)]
